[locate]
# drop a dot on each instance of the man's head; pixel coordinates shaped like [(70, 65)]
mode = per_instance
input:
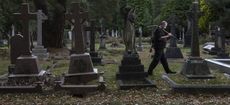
[(163, 24)]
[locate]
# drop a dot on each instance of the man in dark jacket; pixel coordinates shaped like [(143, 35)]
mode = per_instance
[(160, 38)]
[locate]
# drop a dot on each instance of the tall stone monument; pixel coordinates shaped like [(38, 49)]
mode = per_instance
[(173, 51), (81, 71), (39, 50), (25, 75), (131, 68), (195, 66)]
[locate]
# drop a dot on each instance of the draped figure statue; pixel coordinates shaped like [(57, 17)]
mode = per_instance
[(129, 30)]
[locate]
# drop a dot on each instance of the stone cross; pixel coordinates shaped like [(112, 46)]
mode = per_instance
[(78, 16), (25, 16), (194, 14), (92, 30), (40, 17)]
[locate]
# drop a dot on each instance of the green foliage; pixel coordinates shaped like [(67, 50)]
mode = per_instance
[(177, 7), (7, 8), (217, 11)]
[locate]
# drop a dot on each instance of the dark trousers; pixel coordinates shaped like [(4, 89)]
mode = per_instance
[(159, 56)]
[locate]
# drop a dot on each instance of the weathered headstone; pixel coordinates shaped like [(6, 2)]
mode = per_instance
[(131, 72), (39, 50), (16, 47), (81, 70), (173, 51), (140, 46), (188, 34), (220, 43), (96, 58), (102, 37)]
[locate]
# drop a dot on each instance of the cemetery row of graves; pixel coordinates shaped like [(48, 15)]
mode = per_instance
[(108, 70)]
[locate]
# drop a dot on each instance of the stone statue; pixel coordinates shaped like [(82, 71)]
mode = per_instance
[(129, 30)]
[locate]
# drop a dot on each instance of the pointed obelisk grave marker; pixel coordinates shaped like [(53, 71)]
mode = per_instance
[(81, 71), (24, 72), (39, 50)]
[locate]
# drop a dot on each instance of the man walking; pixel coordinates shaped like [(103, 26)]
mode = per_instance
[(160, 38)]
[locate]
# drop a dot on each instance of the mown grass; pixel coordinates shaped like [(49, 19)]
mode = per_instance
[(112, 95)]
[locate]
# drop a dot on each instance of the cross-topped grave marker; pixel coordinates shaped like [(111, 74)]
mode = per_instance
[(25, 16), (94, 55), (39, 50), (78, 46)]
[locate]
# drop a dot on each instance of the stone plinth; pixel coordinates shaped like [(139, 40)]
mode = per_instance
[(80, 75), (40, 52), (131, 73), (173, 52)]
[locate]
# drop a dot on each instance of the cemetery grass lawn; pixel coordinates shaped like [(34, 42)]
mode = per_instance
[(162, 95)]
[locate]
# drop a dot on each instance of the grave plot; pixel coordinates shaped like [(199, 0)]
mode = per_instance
[(24, 73), (195, 74)]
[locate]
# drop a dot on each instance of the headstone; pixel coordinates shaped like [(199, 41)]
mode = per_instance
[(102, 37), (131, 72), (221, 53), (140, 46), (13, 30), (16, 47), (195, 66), (173, 51), (81, 70), (87, 36), (96, 58), (39, 50), (112, 33), (188, 34)]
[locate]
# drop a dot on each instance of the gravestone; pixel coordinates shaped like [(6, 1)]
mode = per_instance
[(16, 48), (39, 50), (96, 58), (220, 43), (188, 34), (81, 71), (102, 41), (87, 36), (140, 46), (131, 72), (25, 74), (102, 37), (173, 51)]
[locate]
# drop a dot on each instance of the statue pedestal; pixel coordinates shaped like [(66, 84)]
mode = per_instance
[(173, 52), (40, 52), (80, 75), (131, 73)]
